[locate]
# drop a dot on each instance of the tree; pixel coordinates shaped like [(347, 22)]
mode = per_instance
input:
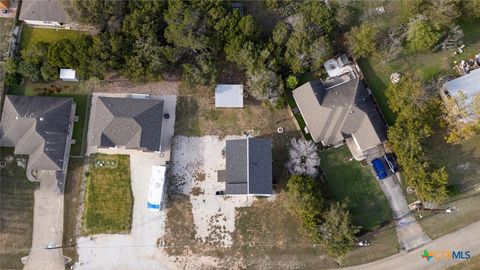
[(11, 66), (264, 84), (102, 14), (337, 230), (320, 51), (362, 40), (280, 33), (203, 72), (318, 14), (145, 20), (36, 54), (471, 8), (29, 71), (291, 82), (63, 53), (422, 36), (415, 110), (187, 28), (305, 200), (48, 72), (303, 158), (345, 14), (442, 13)]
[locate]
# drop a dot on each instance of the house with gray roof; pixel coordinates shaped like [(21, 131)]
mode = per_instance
[(40, 127), (461, 92), (340, 113), (41, 13), (249, 167), (128, 123)]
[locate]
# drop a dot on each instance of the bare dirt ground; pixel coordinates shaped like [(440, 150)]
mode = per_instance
[(115, 84), (194, 174)]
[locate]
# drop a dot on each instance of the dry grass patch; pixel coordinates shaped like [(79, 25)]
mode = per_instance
[(196, 191), (108, 196)]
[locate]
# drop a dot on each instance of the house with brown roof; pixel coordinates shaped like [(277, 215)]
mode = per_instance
[(343, 113)]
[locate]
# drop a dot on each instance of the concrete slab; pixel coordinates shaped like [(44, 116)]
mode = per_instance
[(47, 225)]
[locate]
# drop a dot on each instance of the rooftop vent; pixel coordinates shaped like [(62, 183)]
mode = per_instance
[(41, 118)]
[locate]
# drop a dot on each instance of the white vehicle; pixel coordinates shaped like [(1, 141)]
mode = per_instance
[(155, 192)]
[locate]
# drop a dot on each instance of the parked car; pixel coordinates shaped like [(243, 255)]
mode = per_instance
[(391, 162), (380, 170)]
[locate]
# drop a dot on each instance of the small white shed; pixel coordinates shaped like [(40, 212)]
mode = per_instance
[(229, 96), (68, 75)]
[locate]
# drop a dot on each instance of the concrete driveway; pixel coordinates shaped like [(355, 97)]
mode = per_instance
[(137, 250), (47, 226), (409, 233)]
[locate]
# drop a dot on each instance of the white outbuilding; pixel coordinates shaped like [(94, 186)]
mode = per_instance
[(229, 96), (68, 75)]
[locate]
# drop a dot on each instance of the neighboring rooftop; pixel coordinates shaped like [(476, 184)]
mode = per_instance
[(229, 96), (468, 84), (37, 126), (43, 10), (336, 113), (249, 167), (128, 122)]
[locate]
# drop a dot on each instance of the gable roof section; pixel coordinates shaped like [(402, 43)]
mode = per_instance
[(249, 167), (37, 126), (41, 10), (340, 111), (128, 122)]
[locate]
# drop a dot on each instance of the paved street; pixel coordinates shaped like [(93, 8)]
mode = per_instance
[(47, 226), (465, 239)]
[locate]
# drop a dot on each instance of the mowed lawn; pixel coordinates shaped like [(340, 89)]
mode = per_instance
[(31, 35), (16, 212), (462, 161), (108, 197), (348, 180)]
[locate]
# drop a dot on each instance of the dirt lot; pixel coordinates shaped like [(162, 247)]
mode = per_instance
[(16, 212), (196, 115)]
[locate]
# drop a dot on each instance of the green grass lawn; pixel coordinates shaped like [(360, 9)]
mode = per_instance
[(440, 223), (108, 197), (367, 203), (462, 161), (30, 35), (16, 212)]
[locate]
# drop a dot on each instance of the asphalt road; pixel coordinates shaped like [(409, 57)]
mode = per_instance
[(466, 239)]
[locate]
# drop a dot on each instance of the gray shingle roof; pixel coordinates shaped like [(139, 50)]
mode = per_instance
[(128, 122), (340, 111), (463, 89), (249, 167), (37, 126), (43, 10)]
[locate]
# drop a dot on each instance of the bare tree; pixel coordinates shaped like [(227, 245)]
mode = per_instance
[(304, 158)]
